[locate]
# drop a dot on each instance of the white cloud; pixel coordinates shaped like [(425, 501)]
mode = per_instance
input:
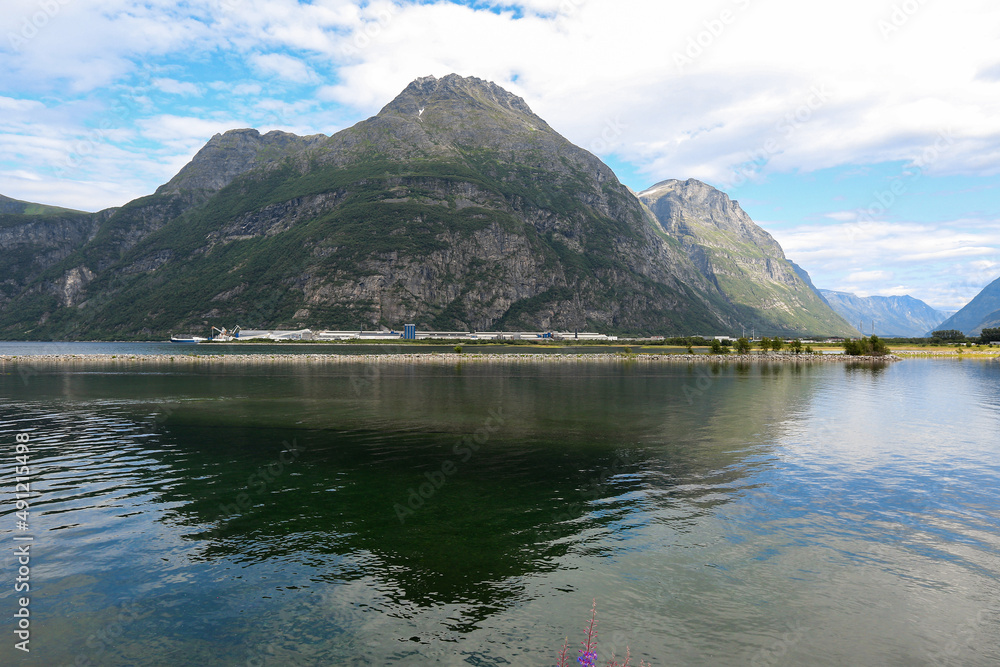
[(748, 94), (748, 90), (869, 276), (986, 265), (842, 216), (175, 87), (80, 47), (182, 136), (87, 195), (752, 89), (948, 253), (283, 66), (241, 89), (10, 104)]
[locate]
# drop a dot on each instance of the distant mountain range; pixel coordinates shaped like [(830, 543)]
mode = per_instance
[(456, 207), (892, 316), (983, 312)]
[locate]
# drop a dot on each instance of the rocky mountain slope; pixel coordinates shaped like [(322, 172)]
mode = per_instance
[(31, 244), (455, 207), (983, 312), (894, 316), (742, 260)]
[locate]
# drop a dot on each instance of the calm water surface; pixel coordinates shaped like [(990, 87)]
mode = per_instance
[(468, 515)]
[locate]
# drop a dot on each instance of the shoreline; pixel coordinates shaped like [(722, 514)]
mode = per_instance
[(427, 357), (954, 354)]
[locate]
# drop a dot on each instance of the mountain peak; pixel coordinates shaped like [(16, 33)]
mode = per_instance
[(679, 204), (453, 117), (430, 92), (692, 187), (235, 152)]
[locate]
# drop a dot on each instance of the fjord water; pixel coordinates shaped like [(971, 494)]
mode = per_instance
[(814, 514)]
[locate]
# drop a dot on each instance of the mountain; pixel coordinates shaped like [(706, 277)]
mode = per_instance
[(983, 312), (770, 294), (455, 207), (894, 316)]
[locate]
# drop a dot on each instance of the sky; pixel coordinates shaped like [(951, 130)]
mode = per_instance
[(864, 135)]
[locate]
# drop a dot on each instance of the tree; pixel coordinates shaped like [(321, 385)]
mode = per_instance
[(795, 346), (716, 347), (866, 347), (948, 334), (989, 335), (743, 346), (879, 348), (777, 344), (765, 344)]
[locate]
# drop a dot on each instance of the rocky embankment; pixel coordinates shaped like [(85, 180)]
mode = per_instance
[(953, 354)]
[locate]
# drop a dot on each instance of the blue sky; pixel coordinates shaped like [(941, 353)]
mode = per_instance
[(864, 135)]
